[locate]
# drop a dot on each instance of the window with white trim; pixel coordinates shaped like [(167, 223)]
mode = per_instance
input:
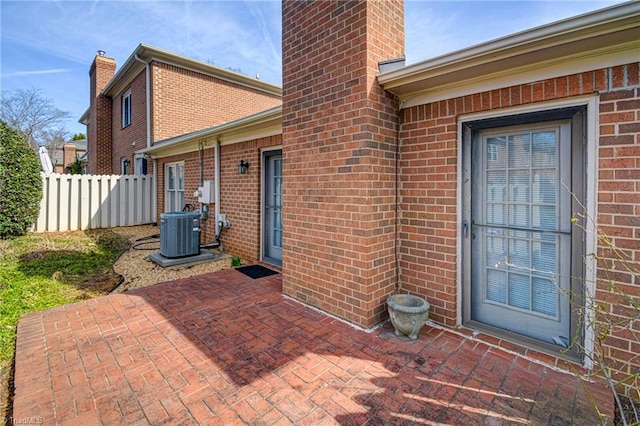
[(139, 164), (174, 187), (126, 108)]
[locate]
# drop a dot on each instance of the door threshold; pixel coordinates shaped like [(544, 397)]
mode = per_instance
[(571, 360)]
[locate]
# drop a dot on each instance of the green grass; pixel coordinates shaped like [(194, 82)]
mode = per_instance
[(41, 271)]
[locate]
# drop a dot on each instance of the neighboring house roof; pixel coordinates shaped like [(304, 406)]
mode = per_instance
[(57, 155), (594, 40), (263, 124), (144, 54), (81, 144)]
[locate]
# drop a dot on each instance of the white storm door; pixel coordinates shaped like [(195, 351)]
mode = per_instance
[(272, 214)]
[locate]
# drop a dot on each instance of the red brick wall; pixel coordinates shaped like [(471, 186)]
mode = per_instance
[(127, 140), (428, 181), (184, 101), (339, 148), (240, 195), (99, 129), (428, 221), (619, 219)]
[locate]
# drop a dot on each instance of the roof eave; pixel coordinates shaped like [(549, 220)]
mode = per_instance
[(582, 35), (263, 124), (84, 118), (144, 54)]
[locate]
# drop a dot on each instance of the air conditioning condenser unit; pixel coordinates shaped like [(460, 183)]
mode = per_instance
[(179, 234)]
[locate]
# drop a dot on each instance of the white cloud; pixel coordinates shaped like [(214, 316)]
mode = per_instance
[(32, 73)]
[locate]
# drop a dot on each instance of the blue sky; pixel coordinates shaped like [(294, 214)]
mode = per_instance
[(50, 44)]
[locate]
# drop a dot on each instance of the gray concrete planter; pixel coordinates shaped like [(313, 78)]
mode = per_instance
[(408, 314)]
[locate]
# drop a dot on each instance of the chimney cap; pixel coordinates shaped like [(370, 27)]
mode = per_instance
[(101, 52), (391, 65)]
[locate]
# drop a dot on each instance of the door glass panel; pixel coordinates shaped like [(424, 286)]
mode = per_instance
[(496, 152), (519, 250), (544, 257), (544, 186), (496, 286), (496, 186), (272, 225), (519, 151), (277, 229), (519, 291), (277, 203), (544, 217), (544, 149), (496, 250), (545, 296)]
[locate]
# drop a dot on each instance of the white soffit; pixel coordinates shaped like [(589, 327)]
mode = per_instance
[(596, 40)]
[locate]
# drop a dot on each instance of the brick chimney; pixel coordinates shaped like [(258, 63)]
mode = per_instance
[(68, 155), (99, 129), (339, 145)]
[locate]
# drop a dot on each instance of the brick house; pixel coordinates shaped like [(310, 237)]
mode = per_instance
[(64, 157), (482, 180), (157, 95)]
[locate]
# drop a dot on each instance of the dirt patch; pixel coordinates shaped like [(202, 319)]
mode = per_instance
[(630, 414)]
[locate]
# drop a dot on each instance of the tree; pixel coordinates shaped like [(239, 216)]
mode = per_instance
[(54, 139), (76, 167), (34, 117), (20, 183), (78, 137)]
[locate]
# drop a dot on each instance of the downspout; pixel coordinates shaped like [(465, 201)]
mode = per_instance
[(201, 161), (216, 195), (216, 243), (147, 89), (397, 201), (155, 191)]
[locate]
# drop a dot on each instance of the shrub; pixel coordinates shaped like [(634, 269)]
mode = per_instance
[(20, 184), (76, 167)]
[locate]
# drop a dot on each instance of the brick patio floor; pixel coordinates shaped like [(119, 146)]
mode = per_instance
[(223, 348)]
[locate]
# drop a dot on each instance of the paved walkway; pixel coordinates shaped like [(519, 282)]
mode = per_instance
[(223, 348)]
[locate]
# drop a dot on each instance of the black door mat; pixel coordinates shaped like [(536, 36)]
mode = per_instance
[(256, 271)]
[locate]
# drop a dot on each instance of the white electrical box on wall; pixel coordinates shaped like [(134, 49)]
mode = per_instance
[(206, 192)]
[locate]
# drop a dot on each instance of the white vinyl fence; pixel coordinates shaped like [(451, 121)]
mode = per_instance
[(73, 202)]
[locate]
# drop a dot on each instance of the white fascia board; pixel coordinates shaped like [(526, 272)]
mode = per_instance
[(84, 118), (522, 75), (575, 38), (580, 27)]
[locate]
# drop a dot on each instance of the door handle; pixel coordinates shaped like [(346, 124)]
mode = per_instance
[(465, 229)]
